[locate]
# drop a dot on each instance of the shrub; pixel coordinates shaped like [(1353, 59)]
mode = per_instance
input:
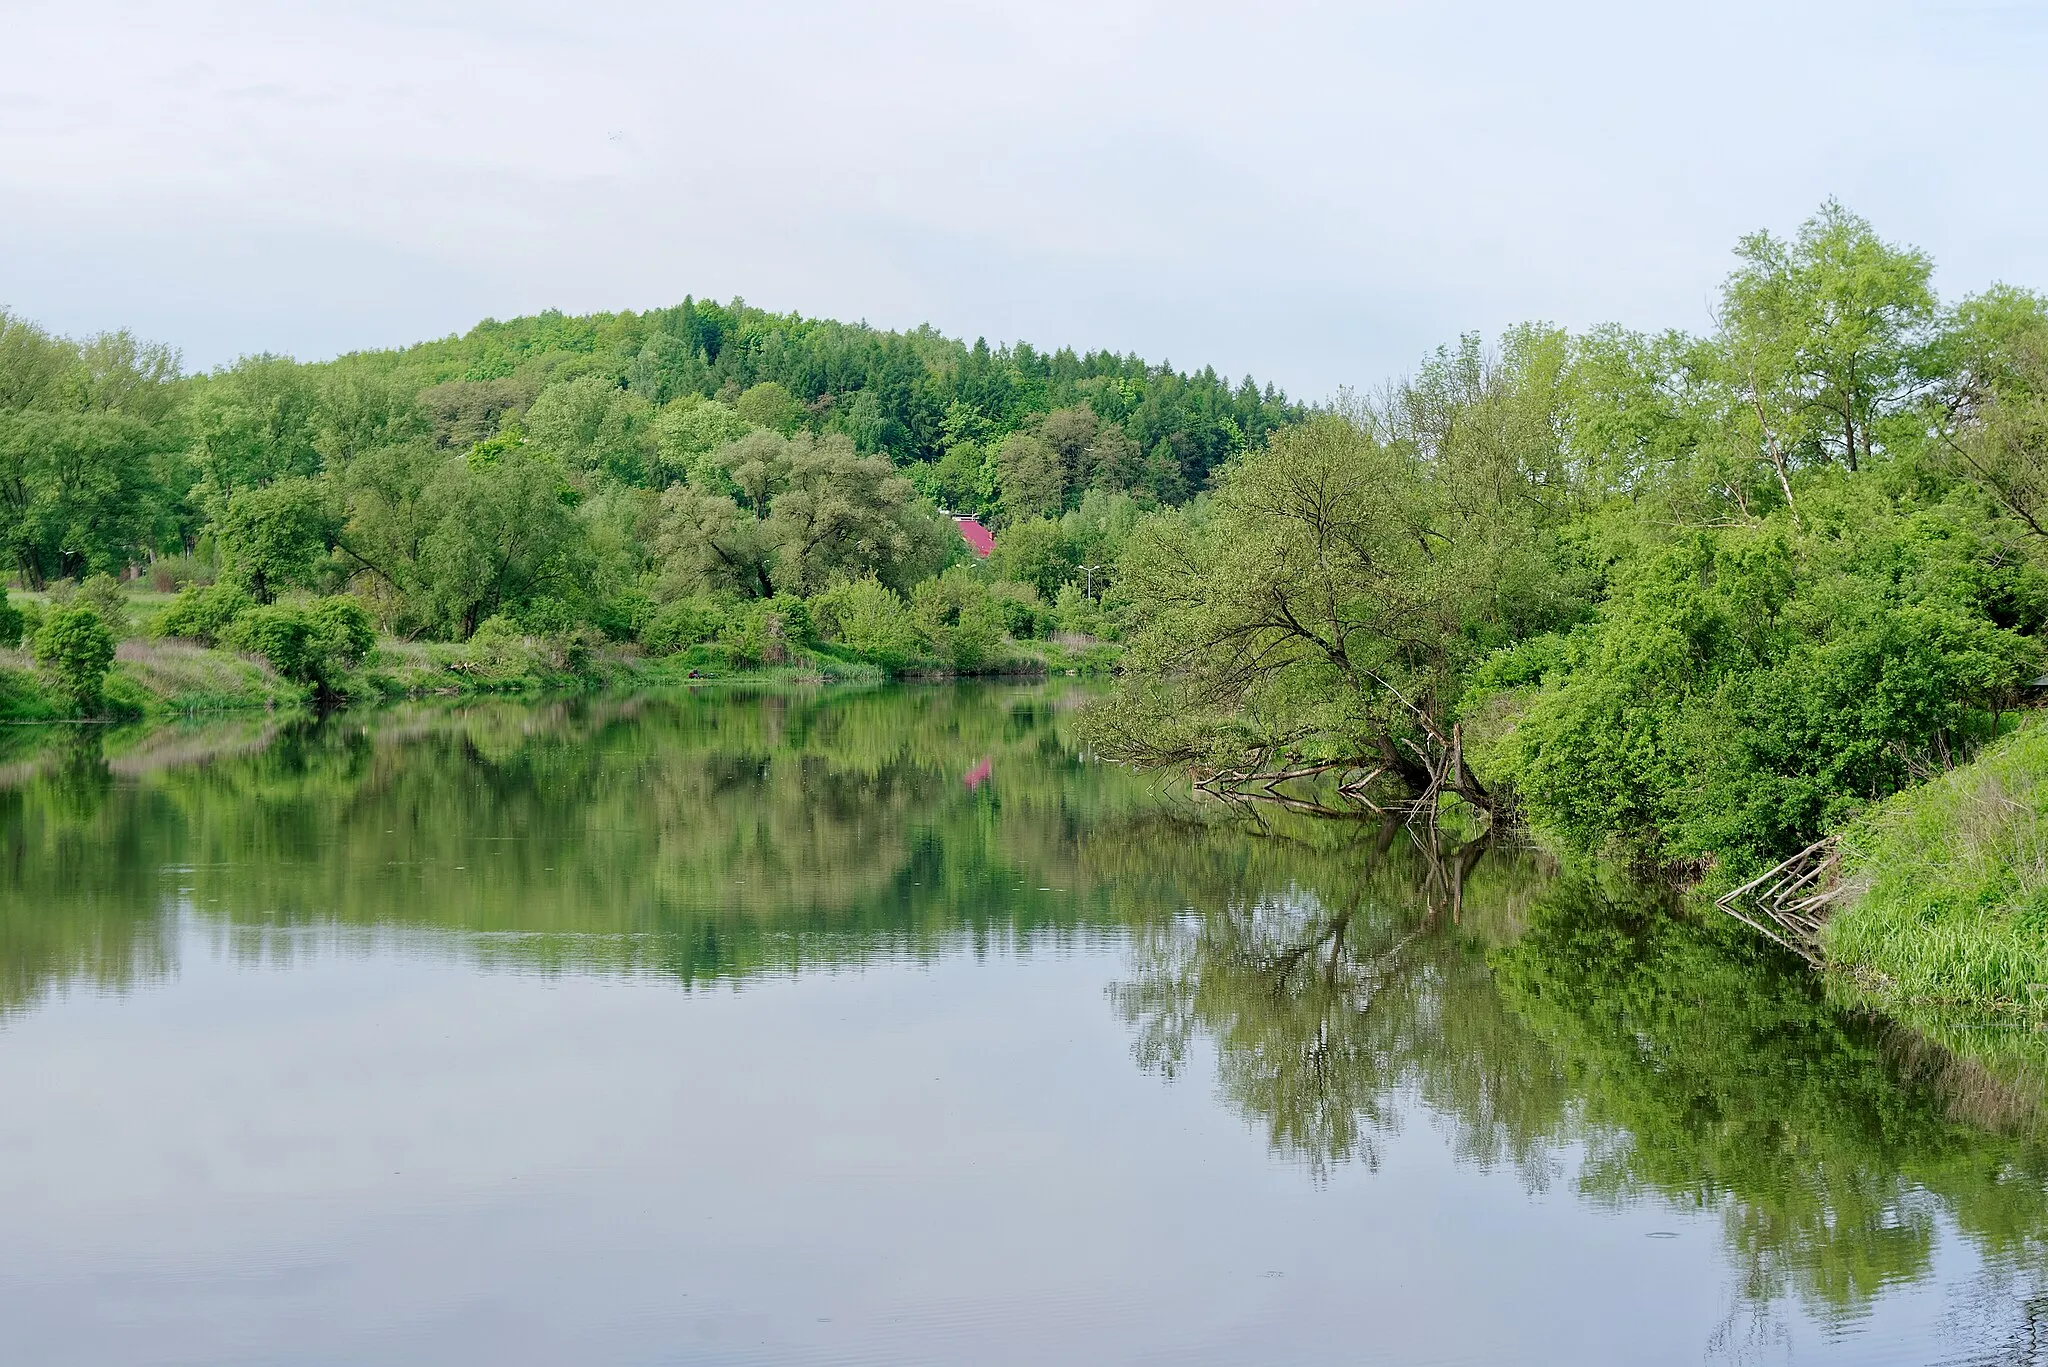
[(174, 573), (624, 615), (1024, 615), (547, 616), (102, 593), (680, 625), (759, 632), (1076, 612), (961, 619), (76, 647), (309, 643), (498, 649), (866, 616), (203, 614)]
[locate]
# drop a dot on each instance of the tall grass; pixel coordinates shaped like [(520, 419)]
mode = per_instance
[(1949, 883), (192, 678)]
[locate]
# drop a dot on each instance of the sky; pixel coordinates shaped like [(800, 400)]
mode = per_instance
[(1312, 194)]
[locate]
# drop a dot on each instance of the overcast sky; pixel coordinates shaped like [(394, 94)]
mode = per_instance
[(1316, 194)]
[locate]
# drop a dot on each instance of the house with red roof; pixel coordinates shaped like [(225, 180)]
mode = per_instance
[(976, 535)]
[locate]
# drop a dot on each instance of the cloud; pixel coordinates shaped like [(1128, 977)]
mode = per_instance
[(1315, 194)]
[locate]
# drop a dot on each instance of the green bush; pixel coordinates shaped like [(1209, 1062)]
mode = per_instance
[(624, 615), (1076, 612), (960, 618), (203, 614), (311, 644), (77, 649), (499, 650), (547, 616), (680, 625), (766, 631), (868, 617), (102, 592), (1024, 615), (1745, 691)]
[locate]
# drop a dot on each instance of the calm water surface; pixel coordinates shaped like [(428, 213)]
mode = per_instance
[(885, 1028)]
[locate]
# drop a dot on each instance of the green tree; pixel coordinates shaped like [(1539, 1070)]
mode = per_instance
[(493, 537), (254, 423), (802, 512), (1032, 481), (76, 647), (1999, 345), (11, 621), (768, 404), (591, 426), (1830, 333), (309, 643), (1036, 552), (686, 433), (1328, 598), (272, 535)]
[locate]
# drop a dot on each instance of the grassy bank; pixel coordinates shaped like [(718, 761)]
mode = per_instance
[(164, 679), (1949, 886)]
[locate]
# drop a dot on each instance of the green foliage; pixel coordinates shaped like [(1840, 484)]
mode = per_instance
[(960, 618), (682, 624), (311, 643), (1832, 333), (496, 538), (1743, 691), (102, 593), (1036, 552), (687, 432), (800, 514), (203, 614), (85, 437), (1030, 478), (871, 618), (1335, 589), (1080, 547), (271, 536), (769, 405), (1954, 885), (76, 648), (1694, 600), (591, 426), (11, 622)]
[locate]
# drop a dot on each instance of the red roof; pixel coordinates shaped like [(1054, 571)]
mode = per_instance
[(977, 535)]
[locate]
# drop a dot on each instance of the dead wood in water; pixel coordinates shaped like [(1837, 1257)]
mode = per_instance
[(1795, 896)]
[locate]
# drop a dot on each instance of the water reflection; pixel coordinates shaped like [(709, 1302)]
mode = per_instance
[(1343, 980)]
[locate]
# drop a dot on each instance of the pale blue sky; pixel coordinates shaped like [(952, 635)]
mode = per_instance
[(1313, 193)]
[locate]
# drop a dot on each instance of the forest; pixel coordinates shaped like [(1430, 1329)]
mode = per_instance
[(709, 478)]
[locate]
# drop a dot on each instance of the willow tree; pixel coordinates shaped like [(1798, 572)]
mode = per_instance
[(1321, 607)]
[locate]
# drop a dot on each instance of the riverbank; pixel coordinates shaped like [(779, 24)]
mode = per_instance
[(161, 680), (1946, 900)]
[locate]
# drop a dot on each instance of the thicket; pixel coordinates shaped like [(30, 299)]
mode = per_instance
[(1695, 600)]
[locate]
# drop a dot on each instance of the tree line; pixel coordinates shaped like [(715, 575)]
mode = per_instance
[(633, 477), (1689, 598)]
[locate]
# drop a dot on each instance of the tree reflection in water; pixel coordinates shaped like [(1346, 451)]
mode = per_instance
[(1560, 1021), (1348, 978)]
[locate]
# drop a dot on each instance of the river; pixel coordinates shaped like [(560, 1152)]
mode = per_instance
[(887, 1027)]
